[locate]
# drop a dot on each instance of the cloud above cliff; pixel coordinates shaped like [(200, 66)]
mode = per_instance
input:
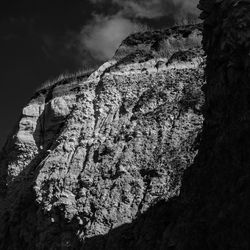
[(102, 36), (41, 39), (153, 8), (104, 33)]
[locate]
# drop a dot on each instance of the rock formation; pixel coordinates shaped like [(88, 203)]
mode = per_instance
[(97, 162), (91, 155), (212, 211)]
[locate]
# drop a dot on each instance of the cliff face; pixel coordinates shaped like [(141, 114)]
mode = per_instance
[(92, 154), (212, 211), (96, 162)]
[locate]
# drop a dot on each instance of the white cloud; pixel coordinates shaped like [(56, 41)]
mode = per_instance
[(103, 35), (153, 8), (145, 9)]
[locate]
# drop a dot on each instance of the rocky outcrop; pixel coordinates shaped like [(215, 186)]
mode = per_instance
[(212, 211), (97, 163), (90, 155)]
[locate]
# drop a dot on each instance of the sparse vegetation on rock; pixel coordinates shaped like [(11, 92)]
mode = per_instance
[(67, 78), (93, 152)]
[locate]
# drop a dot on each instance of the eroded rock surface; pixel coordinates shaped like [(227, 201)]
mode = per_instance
[(212, 211), (92, 154)]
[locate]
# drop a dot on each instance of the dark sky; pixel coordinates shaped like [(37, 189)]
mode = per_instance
[(39, 40), (33, 48)]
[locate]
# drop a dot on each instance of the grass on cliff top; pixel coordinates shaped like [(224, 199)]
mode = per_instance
[(172, 45), (167, 48), (162, 43), (66, 78)]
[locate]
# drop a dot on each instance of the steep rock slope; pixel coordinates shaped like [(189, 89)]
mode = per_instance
[(93, 153), (212, 211)]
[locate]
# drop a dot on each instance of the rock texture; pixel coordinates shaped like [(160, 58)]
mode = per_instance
[(97, 163), (212, 211), (93, 154)]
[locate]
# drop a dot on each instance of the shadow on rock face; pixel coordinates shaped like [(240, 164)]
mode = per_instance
[(145, 233)]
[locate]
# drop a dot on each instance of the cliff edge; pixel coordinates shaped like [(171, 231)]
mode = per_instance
[(93, 153)]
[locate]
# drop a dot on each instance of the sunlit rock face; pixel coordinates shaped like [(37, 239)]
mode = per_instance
[(212, 211), (92, 154)]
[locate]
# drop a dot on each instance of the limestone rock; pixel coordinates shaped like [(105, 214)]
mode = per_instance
[(212, 211), (92, 155)]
